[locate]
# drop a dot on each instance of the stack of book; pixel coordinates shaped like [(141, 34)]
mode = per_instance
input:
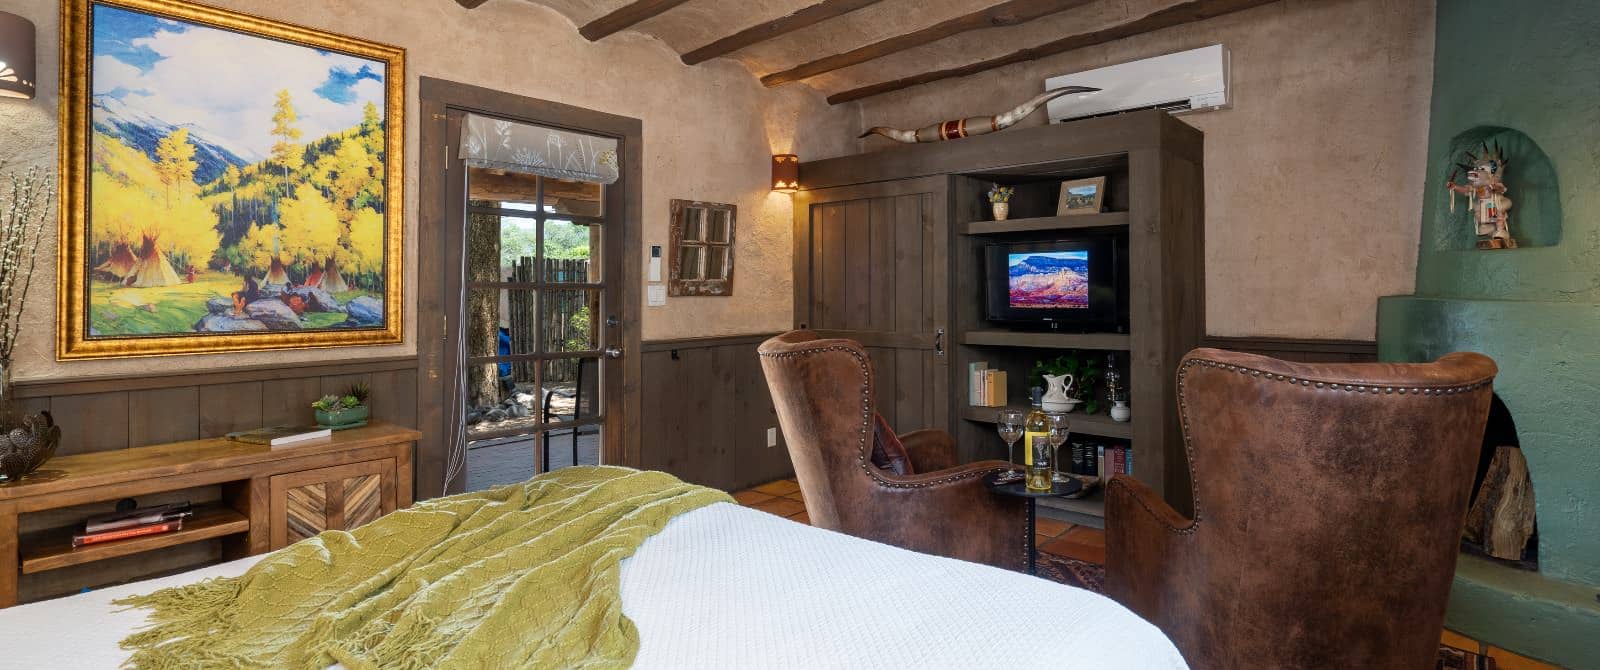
[(985, 387), (133, 523), (1098, 459)]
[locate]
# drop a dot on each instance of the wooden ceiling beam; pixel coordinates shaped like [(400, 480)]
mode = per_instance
[(808, 16), (1011, 13), (625, 17), (1177, 14)]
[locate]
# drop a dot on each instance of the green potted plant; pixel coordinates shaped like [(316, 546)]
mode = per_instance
[(1086, 369), (346, 411)]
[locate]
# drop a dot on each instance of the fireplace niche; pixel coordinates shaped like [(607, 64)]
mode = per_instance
[(1502, 521)]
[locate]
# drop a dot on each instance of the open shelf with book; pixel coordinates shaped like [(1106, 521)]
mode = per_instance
[(1153, 195), (1098, 425), (52, 549)]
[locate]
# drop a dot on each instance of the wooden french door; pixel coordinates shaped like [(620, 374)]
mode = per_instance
[(540, 295), (870, 265)]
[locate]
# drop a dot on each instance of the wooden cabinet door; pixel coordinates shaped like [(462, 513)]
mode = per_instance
[(871, 265), (336, 498)]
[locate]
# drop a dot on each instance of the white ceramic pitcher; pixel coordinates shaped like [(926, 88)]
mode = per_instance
[(1056, 398)]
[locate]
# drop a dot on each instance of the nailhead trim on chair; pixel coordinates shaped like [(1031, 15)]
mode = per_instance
[(1183, 407), (866, 429)]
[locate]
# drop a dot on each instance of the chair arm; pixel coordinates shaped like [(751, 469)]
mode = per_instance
[(931, 449), (1147, 546), (951, 512)]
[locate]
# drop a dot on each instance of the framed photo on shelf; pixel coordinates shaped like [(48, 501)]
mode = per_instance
[(1081, 196), (229, 183)]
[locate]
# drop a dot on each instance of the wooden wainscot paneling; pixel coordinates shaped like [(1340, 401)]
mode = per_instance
[(118, 412), (1299, 350), (707, 410)]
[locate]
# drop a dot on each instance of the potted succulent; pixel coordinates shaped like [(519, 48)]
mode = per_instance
[(346, 411), (1000, 200)]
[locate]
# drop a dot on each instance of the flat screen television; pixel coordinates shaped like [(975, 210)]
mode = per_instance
[(1079, 284)]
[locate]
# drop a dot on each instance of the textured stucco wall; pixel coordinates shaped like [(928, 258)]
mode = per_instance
[(708, 133), (1313, 178)]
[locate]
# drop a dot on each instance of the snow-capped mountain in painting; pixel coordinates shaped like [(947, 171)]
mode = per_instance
[(143, 131)]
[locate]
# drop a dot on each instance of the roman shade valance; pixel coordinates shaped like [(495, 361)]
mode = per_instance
[(488, 142)]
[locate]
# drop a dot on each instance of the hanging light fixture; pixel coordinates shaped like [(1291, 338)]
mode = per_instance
[(16, 56), (785, 173)]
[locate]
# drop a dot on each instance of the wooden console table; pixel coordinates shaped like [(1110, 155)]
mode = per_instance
[(270, 497)]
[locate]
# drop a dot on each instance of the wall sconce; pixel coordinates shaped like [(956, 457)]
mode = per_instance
[(785, 173), (16, 56)]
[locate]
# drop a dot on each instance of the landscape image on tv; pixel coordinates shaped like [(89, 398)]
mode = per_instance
[(1049, 280)]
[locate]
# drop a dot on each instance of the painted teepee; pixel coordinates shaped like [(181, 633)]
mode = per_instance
[(152, 267), (120, 264)]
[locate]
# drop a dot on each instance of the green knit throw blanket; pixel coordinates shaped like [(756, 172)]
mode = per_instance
[(521, 576)]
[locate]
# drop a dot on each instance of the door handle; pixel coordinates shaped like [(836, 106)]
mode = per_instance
[(613, 352), (938, 342)]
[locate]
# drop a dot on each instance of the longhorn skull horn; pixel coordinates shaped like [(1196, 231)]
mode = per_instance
[(977, 125)]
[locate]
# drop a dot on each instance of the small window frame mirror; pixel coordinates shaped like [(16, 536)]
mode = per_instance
[(701, 253)]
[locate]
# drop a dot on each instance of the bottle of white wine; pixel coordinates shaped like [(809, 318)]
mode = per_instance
[(1036, 449)]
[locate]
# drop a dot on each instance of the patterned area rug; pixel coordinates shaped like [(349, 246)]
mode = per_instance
[(1072, 572), (1092, 577)]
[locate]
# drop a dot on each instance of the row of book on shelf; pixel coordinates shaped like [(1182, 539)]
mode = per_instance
[(133, 523), (1097, 459), (985, 387)]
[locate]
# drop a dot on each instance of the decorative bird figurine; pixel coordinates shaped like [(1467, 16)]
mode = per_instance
[(977, 125), (27, 446)]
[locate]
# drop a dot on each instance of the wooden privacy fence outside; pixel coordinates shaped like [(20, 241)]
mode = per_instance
[(567, 321)]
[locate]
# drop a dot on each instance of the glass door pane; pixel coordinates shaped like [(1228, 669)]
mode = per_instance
[(534, 295)]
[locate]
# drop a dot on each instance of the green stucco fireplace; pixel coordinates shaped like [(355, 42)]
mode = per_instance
[(1526, 78)]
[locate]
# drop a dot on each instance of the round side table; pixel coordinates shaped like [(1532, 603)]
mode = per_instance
[(1019, 488)]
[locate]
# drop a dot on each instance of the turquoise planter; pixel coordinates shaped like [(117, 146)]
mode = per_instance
[(343, 417)]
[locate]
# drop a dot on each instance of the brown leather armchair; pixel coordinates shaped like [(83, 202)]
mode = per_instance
[(1328, 503), (823, 390)]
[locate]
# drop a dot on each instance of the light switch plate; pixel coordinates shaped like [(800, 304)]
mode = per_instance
[(772, 437), (655, 295)]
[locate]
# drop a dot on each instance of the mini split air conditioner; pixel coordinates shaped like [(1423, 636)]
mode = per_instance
[(1187, 81)]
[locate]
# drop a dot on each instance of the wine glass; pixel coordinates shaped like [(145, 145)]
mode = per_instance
[(1059, 430), (1011, 423)]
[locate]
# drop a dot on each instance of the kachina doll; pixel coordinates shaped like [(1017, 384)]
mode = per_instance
[(1486, 197)]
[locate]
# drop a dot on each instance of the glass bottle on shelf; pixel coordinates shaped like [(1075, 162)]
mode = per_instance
[(1036, 450), (1116, 392)]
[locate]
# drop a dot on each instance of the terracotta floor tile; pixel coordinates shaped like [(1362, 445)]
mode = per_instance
[(1080, 542), (1505, 660), (780, 506), (802, 518), (750, 497), (795, 496), (778, 488), (1051, 527), (1450, 638)]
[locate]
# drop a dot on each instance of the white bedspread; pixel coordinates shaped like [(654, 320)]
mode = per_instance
[(730, 587)]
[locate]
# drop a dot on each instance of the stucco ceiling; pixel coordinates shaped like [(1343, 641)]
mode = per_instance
[(696, 23)]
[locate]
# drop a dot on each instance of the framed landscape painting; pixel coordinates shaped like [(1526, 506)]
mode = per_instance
[(229, 183)]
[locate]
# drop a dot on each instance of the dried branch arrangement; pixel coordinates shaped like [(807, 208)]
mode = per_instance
[(24, 212)]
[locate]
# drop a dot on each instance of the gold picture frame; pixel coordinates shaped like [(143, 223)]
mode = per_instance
[(93, 317), (1081, 196)]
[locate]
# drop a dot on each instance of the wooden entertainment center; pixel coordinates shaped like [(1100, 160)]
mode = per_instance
[(248, 498), (889, 251)]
